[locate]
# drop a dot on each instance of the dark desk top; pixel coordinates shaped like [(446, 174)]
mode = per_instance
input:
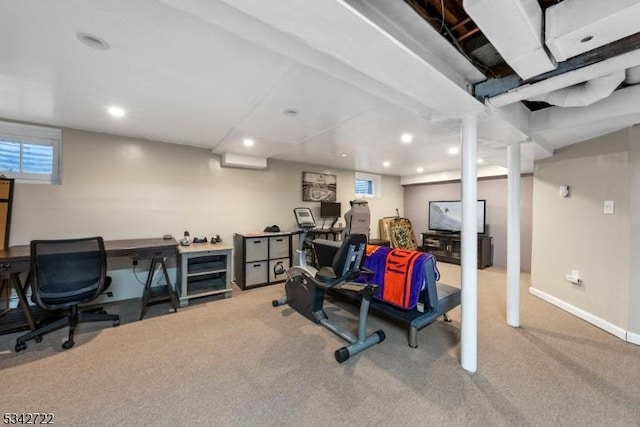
[(128, 247), (15, 253), (326, 230), (114, 248)]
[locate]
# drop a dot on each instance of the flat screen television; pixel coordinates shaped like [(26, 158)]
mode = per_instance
[(447, 216), (329, 209)]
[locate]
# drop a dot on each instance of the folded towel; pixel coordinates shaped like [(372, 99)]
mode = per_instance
[(400, 273)]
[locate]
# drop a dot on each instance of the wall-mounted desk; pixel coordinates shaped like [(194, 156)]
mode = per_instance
[(15, 260)]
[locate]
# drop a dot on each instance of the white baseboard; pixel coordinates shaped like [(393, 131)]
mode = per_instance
[(633, 338), (588, 317)]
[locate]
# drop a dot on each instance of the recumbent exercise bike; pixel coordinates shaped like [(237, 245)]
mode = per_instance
[(306, 286)]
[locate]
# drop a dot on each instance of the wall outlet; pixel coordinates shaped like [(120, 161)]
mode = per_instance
[(574, 277)]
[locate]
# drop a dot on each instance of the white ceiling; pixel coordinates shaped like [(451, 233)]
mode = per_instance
[(212, 73)]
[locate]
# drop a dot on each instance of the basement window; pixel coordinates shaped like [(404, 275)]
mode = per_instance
[(368, 185), (30, 153)]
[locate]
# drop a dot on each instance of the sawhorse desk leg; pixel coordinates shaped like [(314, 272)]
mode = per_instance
[(14, 320), (22, 298), (157, 293)]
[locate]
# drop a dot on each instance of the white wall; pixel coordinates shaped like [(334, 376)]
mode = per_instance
[(574, 233), (123, 188)]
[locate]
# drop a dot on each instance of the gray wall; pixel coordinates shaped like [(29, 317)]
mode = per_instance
[(494, 191), (574, 233), (123, 188)]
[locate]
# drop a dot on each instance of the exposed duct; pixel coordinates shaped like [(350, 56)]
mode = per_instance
[(567, 79), (633, 75), (566, 36), (573, 27), (583, 94), (514, 27)]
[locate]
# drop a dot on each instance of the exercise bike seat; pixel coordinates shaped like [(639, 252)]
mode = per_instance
[(342, 266), (326, 275)]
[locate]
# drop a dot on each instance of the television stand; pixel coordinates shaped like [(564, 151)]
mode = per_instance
[(447, 247)]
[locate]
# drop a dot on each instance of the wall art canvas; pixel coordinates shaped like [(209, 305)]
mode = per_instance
[(319, 187)]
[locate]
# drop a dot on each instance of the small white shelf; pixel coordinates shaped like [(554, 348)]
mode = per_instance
[(205, 269)]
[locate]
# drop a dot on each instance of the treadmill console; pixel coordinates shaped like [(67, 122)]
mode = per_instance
[(304, 218)]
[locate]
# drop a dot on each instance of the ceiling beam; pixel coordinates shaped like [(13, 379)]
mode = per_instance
[(493, 87)]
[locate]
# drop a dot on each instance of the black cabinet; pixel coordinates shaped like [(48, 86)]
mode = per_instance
[(447, 247)]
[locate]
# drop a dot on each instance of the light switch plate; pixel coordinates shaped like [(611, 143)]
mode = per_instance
[(609, 207), (563, 191)]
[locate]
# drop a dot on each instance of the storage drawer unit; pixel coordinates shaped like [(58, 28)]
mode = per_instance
[(256, 249), (256, 254), (255, 273), (284, 262)]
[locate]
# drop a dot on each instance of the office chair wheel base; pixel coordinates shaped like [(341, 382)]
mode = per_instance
[(21, 346), (116, 323), (67, 344)]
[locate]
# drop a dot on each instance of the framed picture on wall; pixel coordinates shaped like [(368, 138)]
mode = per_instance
[(319, 187)]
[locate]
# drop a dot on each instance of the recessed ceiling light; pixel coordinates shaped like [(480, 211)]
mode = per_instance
[(406, 138), (248, 142), (290, 112), (92, 41), (116, 111), (386, 164), (480, 161), (343, 155), (420, 170), (454, 150)]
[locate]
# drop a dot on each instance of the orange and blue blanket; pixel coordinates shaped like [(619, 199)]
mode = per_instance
[(400, 273)]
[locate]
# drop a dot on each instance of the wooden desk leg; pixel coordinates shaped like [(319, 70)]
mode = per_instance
[(172, 293), (5, 293), (146, 293), (22, 298)]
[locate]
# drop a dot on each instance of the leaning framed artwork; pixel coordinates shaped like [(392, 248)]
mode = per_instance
[(319, 187)]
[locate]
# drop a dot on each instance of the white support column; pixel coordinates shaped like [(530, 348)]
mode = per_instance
[(513, 235), (469, 260)]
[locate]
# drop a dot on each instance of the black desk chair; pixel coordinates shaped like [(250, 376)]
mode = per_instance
[(65, 274)]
